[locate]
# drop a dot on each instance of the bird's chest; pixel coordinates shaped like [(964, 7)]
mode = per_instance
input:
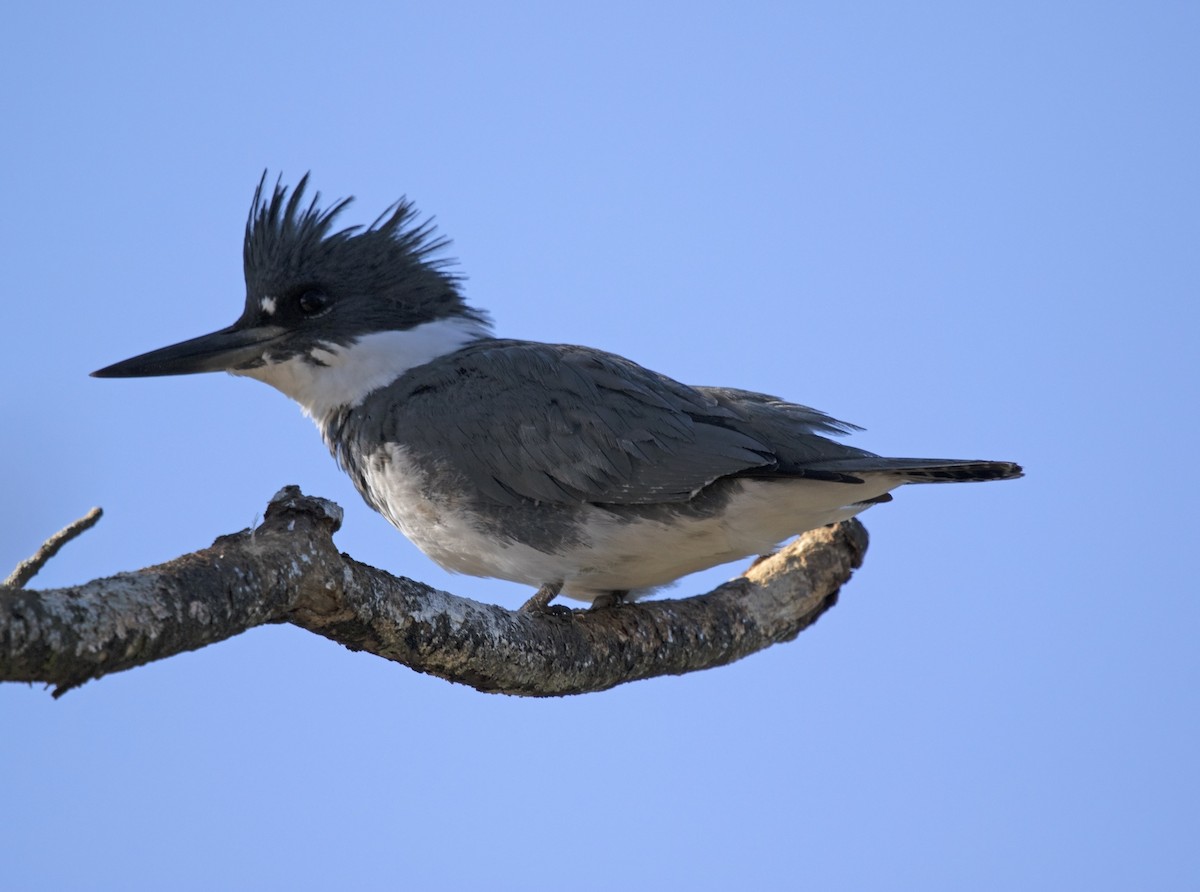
[(429, 506), (405, 493)]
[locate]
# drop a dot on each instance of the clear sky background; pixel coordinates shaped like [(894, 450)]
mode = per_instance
[(971, 228)]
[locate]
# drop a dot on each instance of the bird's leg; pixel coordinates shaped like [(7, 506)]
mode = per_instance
[(609, 599), (540, 602)]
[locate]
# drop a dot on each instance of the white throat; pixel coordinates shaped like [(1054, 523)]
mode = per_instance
[(346, 375)]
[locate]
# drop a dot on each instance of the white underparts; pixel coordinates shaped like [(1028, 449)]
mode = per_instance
[(331, 376), (268, 305), (612, 552)]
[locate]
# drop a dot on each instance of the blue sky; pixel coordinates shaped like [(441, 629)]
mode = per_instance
[(970, 228)]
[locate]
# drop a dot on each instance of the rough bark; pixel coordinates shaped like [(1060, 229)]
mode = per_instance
[(289, 570)]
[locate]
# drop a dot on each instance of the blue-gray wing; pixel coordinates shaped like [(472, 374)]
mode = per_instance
[(564, 424)]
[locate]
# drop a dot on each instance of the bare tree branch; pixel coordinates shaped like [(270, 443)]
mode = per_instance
[(29, 567), (289, 570)]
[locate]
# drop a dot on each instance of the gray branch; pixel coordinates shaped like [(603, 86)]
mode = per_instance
[(289, 570)]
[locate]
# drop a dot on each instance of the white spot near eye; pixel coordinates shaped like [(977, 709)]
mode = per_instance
[(268, 305)]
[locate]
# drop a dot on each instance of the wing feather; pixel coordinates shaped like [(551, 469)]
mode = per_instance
[(560, 424)]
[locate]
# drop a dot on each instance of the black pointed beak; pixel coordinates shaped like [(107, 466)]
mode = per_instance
[(229, 348)]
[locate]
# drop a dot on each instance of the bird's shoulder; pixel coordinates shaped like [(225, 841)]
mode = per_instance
[(551, 369)]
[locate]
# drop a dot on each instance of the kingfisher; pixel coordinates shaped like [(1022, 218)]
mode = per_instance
[(568, 469)]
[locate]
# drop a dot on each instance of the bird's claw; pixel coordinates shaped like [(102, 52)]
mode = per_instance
[(540, 602), (608, 599)]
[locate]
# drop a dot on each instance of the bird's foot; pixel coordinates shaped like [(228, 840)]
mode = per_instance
[(609, 599), (540, 602), (762, 557)]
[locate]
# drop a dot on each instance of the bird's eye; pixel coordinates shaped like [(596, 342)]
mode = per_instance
[(313, 302)]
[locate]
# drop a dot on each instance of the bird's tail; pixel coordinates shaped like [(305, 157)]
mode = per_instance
[(925, 470)]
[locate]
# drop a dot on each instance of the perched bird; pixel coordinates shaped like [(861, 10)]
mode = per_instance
[(562, 467)]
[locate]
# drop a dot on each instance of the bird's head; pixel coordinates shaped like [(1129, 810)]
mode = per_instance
[(329, 315)]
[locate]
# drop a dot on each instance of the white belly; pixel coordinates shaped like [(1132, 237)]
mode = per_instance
[(613, 552)]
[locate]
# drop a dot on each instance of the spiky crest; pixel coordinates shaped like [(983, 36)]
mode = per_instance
[(391, 265)]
